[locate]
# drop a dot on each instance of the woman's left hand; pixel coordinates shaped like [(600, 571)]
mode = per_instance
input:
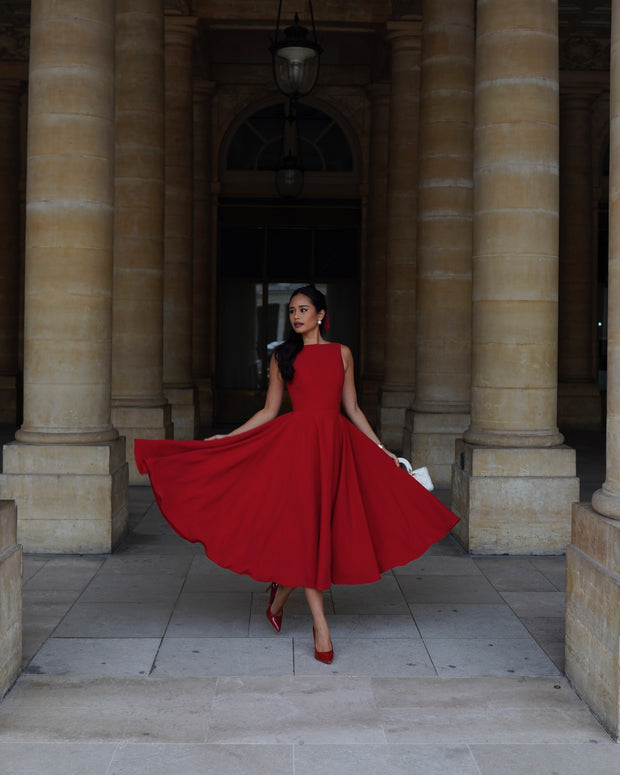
[(392, 455)]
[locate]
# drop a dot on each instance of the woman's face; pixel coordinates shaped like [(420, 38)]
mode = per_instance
[(303, 314)]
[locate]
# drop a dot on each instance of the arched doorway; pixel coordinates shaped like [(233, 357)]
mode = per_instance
[(268, 246)]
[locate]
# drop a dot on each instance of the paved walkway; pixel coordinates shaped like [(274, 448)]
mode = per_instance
[(154, 660)]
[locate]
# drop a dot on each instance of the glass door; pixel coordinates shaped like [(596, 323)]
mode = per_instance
[(259, 266)]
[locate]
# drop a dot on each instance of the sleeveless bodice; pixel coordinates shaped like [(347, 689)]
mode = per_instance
[(318, 379)]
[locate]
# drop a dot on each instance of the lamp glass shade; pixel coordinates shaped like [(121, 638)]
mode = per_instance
[(289, 177)]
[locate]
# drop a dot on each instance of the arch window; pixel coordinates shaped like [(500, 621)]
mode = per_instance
[(255, 146)]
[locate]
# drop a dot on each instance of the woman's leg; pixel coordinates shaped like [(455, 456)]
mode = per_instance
[(282, 595), (321, 630)]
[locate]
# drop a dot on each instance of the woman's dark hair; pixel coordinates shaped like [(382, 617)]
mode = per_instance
[(286, 352)]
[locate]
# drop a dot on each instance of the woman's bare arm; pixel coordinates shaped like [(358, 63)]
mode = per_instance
[(273, 402), (350, 405)]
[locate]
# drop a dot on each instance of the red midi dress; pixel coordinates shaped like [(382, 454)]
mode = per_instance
[(306, 500)]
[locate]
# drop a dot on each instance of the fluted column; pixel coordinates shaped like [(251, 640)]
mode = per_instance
[(593, 558), (139, 409), (579, 399), (10, 93), (178, 227), (400, 297), (374, 279), (514, 482), (441, 409), (68, 476), (203, 267)]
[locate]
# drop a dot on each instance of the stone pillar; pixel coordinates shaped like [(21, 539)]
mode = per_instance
[(398, 388), (10, 598), (10, 93), (513, 480), (445, 206), (178, 227), (203, 318), (374, 278), (593, 558), (579, 397), (139, 409), (67, 469)]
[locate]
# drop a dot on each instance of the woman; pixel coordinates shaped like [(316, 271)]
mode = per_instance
[(306, 498)]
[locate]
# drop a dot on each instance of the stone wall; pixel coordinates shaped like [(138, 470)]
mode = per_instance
[(10, 598)]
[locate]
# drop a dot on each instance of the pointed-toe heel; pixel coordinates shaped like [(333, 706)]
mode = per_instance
[(275, 621), (326, 657)]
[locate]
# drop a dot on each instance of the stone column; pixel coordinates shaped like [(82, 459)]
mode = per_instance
[(398, 388), (203, 256), (374, 279), (139, 409), (579, 397), (178, 227), (444, 236), (10, 93), (66, 470), (593, 558), (514, 481)]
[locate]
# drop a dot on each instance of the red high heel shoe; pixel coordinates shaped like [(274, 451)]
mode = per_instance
[(323, 656), (275, 621)]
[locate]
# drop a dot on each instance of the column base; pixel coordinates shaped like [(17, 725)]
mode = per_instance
[(514, 500), (579, 405), (184, 404), (593, 614), (141, 422), (10, 598), (432, 443), (71, 498), (393, 418)]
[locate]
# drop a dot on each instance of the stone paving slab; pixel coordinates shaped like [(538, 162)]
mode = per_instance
[(406, 657), (112, 657), (448, 589), (467, 620), (147, 619), (568, 759), (295, 711), (514, 573), (496, 657), (73, 709), (224, 656)]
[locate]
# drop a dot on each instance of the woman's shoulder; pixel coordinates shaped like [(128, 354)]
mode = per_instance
[(345, 351)]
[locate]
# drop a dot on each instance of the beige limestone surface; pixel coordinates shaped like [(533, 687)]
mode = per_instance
[(10, 598), (399, 371), (444, 251), (178, 225), (593, 613)]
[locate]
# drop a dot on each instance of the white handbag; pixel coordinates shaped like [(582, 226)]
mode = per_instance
[(421, 475)]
